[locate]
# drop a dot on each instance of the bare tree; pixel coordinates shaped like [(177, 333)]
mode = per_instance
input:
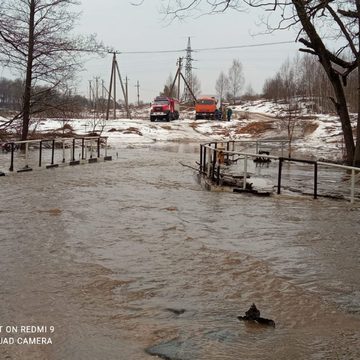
[(36, 44), (235, 80), (288, 121), (287, 74), (167, 87), (249, 92), (221, 86)]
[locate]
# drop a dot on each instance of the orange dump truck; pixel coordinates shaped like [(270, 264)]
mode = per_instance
[(205, 108)]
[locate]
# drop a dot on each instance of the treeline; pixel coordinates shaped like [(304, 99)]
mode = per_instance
[(304, 77), (46, 102)]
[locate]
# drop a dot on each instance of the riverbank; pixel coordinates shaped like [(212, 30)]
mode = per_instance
[(315, 135)]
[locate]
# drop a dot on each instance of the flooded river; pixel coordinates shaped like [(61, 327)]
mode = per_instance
[(115, 258)]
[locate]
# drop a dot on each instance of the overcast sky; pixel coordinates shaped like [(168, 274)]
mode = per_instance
[(128, 28)]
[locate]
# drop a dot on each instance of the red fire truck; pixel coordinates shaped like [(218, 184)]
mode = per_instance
[(164, 108)]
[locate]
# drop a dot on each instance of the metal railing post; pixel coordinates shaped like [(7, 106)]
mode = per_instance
[(73, 150), (352, 192), (213, 164), (26, 154), (98, 147), (227, 149), (279, 175), (205, 151), (245, 172), (11, 168), (52, 152), (315, 179), (40, 152), (63, 146), (82, 148)]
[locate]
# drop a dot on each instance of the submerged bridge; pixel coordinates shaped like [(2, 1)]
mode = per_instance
[(260, 166), (52, 153)]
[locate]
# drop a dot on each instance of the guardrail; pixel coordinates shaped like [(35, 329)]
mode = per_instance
[(214, 155), (86, 142)]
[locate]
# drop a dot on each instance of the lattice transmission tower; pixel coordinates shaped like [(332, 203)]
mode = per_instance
[(187, 97)]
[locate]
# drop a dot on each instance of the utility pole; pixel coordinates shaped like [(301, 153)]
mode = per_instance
[(138, 93), (177, 77), (96, 101), (126, 93), (179, 69), (90, 91), (115, 71)]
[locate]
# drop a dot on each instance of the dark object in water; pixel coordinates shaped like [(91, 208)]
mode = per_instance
[(176, 311), (253, 314), (262, 159)]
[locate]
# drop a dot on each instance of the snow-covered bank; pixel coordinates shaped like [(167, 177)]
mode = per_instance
[(315, 134)]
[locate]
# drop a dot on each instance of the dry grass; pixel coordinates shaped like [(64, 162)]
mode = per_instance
[(166, 127), (255, 128), (310, 127), (194, 125)]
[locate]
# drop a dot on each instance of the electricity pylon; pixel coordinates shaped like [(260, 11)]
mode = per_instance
[(188, 73)]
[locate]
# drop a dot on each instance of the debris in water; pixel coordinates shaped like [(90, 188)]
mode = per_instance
[(253, 314), (176, 311)]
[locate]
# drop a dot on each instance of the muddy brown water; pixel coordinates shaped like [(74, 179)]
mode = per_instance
[(103, 251)]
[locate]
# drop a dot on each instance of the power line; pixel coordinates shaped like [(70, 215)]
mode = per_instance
[(244, 46), (150, 52), (205, 49)]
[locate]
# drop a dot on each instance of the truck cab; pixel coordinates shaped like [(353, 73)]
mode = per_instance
[(164, 108), (205, 107)]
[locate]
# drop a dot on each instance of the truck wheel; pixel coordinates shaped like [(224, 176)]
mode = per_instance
[(167, 118), (152, 119)]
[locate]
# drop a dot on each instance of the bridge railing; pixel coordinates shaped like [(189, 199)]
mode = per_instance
[(90, 151), (215, 155)]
